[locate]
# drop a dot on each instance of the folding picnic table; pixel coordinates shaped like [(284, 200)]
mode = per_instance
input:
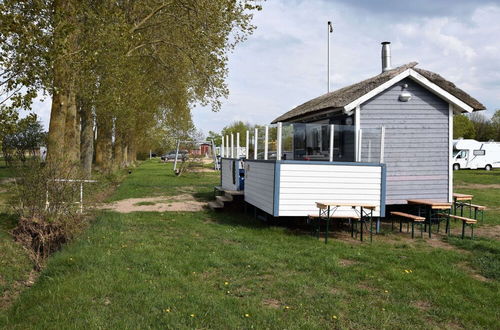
[(432, 206), (462, 198), (328, 209)]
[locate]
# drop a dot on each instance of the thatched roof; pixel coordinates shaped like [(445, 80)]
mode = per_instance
[(346, 95)]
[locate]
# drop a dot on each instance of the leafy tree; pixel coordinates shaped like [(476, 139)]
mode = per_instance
[(495, 122), (26, 139), (463, 127), (238, 127)]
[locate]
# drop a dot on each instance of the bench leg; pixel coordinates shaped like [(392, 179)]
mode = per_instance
[(463, 229), (400, 225), (472, 231), (413, 229)]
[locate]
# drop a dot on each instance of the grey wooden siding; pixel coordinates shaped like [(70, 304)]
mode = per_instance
[(227, 170), (259, 185), (416, 141)]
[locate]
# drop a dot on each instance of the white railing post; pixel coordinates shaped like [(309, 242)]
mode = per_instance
[(332, 127), (237, 144), (279, 147), (222, 151), (360, 143), (232, 145), (247, 144), (256, 143), (266, 142), (382, 143), (227, 146)]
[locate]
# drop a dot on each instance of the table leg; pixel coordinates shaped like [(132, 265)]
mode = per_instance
[(448, 222), (361, 223), (429, 213), (371, 225), (327, 224)]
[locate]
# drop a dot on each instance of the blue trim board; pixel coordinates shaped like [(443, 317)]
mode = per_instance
[(276, 202)]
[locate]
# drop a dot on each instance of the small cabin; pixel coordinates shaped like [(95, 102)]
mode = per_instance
[(383, 140)]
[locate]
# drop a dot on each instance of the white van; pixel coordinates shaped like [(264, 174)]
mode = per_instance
[(472, 154)]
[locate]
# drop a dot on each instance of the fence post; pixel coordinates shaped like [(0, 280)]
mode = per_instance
[(266, 141), (237, 144), (279, 147), (256, 142), (247, 145), (332, 127), (81, 197)]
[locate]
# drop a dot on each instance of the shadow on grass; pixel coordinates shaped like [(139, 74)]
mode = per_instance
[(7, 221)]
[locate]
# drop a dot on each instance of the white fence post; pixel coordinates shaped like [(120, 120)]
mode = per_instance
[(256, 142), (232, 145), (222, 151), (227, 146), (266, 141), (237, 144), (279, 146), (247, 145), (332, 127)]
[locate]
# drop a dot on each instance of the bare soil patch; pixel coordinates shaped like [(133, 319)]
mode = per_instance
[(202, 170), (179, 203), (472, 272), (422, 305), (346, 262), (488, 231), (477, 186), (9, 296), (271, 303)]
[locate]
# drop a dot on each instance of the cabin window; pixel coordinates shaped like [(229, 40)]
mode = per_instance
[(479, 152)]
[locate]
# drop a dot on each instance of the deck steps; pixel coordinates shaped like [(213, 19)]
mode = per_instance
[(215, 205), (225, 198)]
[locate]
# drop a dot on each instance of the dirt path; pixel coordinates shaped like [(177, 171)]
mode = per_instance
[(179, 203), (477, 186)]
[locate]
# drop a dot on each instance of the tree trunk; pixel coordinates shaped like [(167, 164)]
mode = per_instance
[(104, 142), (86, 137), (71, 131), (131, 148), (118, 150), (55, 138)]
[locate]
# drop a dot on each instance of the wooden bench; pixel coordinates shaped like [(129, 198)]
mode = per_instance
[(477, 209), (410, 217), (465, 222)]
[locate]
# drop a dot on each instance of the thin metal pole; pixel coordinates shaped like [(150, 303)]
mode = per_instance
[(279, 147), (237, 144), (176, 154), (332, 127), (247, 144), (227, 146), (329, 30), (256, 142), (266, 142), (81, 197)]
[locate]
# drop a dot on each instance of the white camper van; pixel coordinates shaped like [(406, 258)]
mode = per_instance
[(472, 154)]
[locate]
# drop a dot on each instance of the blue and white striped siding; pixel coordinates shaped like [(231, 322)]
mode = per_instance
[(301, 185), (227, 170), (416, 142), (259, 184)]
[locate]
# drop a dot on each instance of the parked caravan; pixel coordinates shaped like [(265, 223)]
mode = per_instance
[(472, 154)]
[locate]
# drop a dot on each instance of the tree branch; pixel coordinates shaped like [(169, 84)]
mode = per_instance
[(145, 19)]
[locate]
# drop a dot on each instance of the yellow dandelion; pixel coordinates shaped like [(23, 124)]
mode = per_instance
[(71, 259), (383, 309), (247, 315), (228, 292), (386, 291), (334, 317), (287, 307), (226, 283), (167, 310), (407, 271), (192, 315)]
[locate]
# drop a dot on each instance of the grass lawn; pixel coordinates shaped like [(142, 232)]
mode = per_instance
[(227, 270)]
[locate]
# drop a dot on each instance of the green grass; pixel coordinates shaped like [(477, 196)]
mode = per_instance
[(155, 270), (477, 176)]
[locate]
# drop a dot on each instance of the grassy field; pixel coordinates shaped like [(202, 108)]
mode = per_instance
[(227, 270)]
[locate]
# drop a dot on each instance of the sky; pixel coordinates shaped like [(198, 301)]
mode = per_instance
[(284, 63)]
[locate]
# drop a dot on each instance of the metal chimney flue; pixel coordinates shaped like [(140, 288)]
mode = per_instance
[(386, 56)]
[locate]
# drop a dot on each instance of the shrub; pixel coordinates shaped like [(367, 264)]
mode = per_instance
[(45, 204)]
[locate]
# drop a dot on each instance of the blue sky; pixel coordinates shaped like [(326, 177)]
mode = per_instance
[(283, 64)]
